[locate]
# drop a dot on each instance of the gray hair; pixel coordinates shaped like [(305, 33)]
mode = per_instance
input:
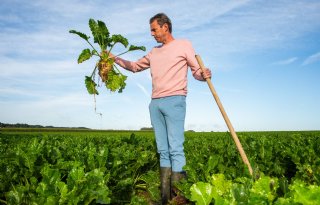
[(162, 19)]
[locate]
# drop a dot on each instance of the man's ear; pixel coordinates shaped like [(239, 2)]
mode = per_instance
[(166, 26)]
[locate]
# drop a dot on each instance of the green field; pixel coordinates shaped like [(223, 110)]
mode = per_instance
[(52, 166)]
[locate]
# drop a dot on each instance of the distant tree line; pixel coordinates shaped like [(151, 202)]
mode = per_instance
[(146, 129), (23, 125)]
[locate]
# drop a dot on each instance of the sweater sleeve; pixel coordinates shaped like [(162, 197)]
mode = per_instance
[(192, 62), (140, 65)]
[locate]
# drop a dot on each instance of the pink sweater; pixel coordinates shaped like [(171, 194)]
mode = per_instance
[(168, 66)]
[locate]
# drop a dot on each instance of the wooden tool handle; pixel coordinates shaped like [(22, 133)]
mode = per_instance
[(226, 118)]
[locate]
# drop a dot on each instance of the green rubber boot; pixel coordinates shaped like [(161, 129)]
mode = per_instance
[(176, 196), (165, 174)]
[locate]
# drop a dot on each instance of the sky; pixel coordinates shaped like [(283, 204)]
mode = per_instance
[(264, 57)]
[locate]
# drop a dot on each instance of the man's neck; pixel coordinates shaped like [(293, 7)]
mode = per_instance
[(168, 39)]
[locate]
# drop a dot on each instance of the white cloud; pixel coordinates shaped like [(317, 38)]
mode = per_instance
[(286, 61), (41, 69), (17, 92), (144, 90), (312, 59), (258, 25)]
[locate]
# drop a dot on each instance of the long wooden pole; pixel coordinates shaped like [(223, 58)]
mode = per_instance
[(226, 118)]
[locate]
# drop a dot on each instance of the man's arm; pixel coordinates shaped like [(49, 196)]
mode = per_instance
[(140, 65), (193, 64)]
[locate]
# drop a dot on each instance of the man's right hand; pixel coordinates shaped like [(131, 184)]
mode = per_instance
[(206, 73)]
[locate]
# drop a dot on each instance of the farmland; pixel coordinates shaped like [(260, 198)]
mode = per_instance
[(49, 166)]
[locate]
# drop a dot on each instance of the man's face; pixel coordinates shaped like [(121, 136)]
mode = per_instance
[(158, 32)]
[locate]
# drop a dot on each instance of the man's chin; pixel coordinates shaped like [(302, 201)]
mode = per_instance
[(158, 41)]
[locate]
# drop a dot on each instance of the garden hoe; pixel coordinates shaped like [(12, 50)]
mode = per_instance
[(226, 119)]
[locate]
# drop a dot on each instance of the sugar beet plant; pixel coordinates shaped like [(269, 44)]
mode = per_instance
[(109, 74)]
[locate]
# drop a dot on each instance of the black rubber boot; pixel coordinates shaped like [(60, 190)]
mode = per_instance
[(176, 196), (165, 174)]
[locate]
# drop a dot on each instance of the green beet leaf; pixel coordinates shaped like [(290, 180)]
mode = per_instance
[(116, 81), (240, 193), (221, 185), (201, 193), (82, 35), (94, 30), (63, 190), (283, 201), (305, 194), (104, 32), (100, 33), (117, 38), (221, 189), (103, 29), (263, 190), (85, 55), (91, 86), (133, 48)]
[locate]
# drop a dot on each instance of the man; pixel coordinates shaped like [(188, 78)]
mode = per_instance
[(168, 64)]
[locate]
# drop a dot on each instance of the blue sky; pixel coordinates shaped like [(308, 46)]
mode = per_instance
[(264, 56)]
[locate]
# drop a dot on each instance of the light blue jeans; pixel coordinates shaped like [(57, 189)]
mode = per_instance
[(167, 118)]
